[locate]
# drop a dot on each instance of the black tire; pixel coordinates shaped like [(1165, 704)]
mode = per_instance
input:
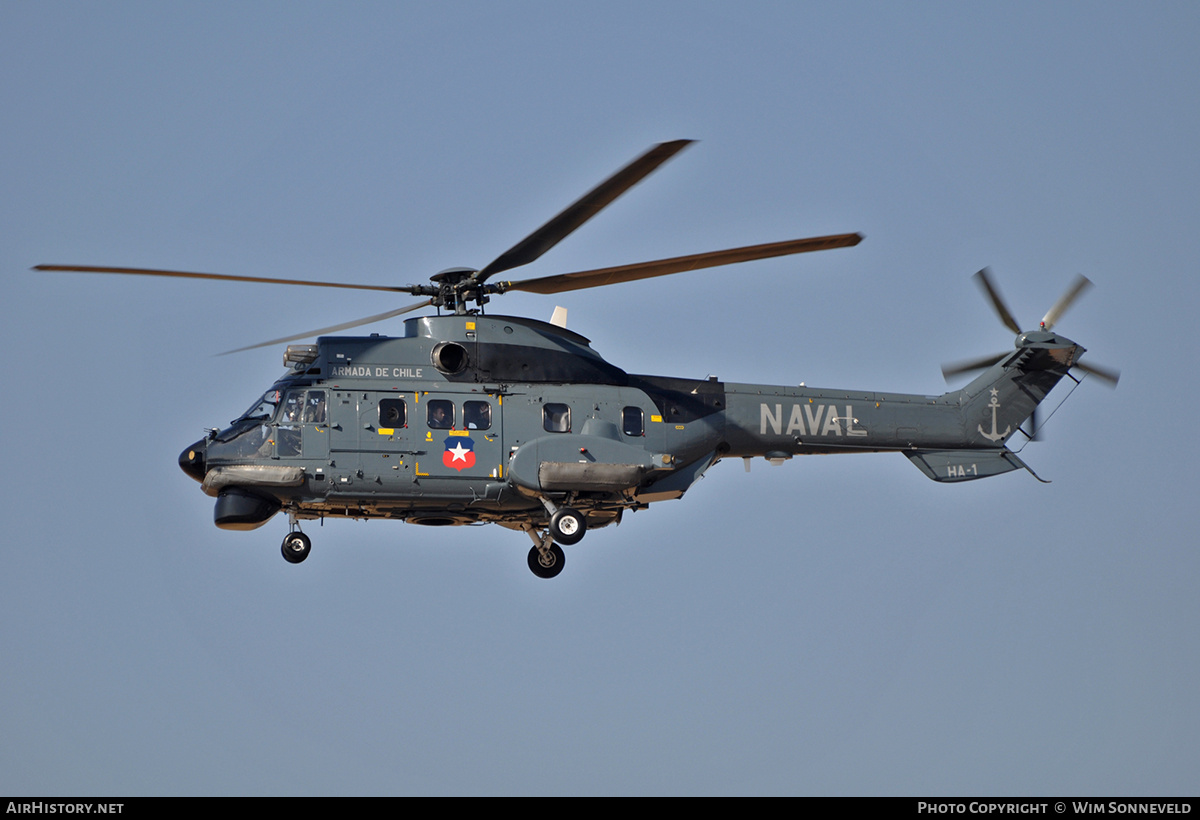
[(555, 557), (567, 526), (296, 547)]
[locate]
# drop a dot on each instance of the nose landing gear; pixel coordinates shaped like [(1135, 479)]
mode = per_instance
[(568, 526), (296, 545)]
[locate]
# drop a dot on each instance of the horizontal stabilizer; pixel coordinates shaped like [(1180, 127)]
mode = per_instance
[(964, 465)]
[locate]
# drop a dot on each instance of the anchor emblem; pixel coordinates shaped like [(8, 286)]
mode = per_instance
[(995, 405)]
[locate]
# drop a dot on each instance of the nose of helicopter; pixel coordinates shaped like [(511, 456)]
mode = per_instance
[(191, 460)]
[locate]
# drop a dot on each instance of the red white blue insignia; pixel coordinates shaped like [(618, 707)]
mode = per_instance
[(459, 453)]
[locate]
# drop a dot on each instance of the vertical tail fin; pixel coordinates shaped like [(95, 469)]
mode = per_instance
[(1000, 400), (993, 407)]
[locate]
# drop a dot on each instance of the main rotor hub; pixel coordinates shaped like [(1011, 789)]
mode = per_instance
[(456, 288), (452, 276)]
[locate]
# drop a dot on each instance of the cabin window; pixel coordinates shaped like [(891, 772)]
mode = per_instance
[(392, 413), (632, 421), (441, 414), (477, 415), (556, 418)]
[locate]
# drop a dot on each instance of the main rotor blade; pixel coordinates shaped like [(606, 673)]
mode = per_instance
[(1080, 284), (580, 211), (379, 317), (220, 276), (1105, 374), (971, 365), (662, 267), (984, 278)]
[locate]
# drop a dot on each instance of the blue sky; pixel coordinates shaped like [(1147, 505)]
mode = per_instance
[(830, 626)]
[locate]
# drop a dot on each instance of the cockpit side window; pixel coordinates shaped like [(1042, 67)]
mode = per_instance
[(314, 407), (293, 407), (633, 421)]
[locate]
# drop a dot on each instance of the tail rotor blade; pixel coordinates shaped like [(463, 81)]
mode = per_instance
[(1065, 301), (1106, 375), (952, 369), (984, 279)]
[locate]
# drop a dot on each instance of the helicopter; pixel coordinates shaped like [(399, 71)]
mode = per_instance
[(473, 418)]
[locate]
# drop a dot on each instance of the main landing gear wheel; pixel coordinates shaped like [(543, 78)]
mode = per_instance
[(567, 526), (548, 565), (296, 547)]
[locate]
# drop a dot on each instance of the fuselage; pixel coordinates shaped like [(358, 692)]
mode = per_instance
[(492, 418)]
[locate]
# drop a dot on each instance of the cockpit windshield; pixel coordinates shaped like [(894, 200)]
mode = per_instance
[(272, 426), (264, 408), (263, 411), (248, 436)]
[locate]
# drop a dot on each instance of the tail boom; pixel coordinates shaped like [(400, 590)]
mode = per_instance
[(958, 436)]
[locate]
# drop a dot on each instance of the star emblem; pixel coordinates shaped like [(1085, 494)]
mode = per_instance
[(459, 453)]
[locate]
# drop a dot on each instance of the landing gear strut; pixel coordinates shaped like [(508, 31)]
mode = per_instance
[(546, 558)]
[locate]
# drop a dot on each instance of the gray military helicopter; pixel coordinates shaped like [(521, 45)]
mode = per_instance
[(471, 418)]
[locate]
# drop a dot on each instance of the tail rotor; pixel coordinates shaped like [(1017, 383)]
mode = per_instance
[(1042, 338)]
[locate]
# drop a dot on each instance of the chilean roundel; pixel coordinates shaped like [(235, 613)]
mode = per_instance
[(459, 453)]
